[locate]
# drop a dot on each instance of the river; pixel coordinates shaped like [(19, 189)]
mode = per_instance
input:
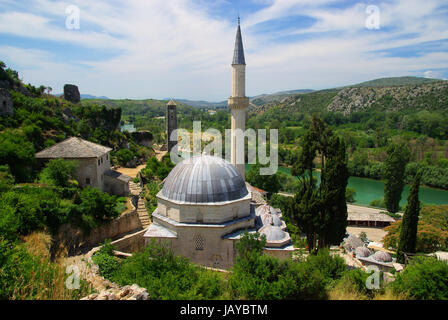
[(369, 189), (128, 127)]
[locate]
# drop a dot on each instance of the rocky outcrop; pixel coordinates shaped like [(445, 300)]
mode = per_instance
[(144, 138), (426, 96), (67, 115), (133, 292), (6, 105), (71, 93)]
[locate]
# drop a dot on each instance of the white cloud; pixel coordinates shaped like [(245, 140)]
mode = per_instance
[(175, 48), (433, 74)]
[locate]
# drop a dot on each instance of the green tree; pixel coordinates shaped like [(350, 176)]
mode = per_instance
[(350, 194), (408, 233), (269, 183), (16, 152), (59, 172), (334, 179), (321, 213), (398, 156), (6, 178)]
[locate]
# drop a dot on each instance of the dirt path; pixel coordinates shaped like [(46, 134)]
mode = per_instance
[(160, 154), (132, 172)]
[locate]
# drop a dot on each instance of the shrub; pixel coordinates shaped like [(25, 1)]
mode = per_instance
[(352, 285), (167, 276), (25, 276), (378, 203), (6, 178), (423, 279), (16, 152), (124, 156), (59, 172), (350, 194), (331, 266), (257, 276), (107, 264)]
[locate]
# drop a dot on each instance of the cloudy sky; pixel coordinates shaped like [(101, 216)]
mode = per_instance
[(183, 48)]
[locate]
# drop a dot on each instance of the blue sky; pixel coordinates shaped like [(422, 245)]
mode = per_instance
[(183, 48)]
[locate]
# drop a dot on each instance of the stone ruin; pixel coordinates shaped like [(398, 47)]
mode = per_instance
[(71, 93), (6, 105)]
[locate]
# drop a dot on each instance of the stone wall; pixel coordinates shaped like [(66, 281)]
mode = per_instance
[(74, 240), (131, 242)]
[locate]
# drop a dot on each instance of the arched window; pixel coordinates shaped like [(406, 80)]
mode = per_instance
[(199, 242)]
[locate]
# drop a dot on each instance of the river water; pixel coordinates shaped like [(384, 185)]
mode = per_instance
[(369, 189)]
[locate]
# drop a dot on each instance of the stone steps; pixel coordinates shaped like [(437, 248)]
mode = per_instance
[(135, 189)]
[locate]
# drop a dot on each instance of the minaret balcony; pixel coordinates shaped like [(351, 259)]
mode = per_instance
[(238, 102)]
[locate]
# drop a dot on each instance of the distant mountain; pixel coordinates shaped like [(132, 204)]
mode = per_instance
[(202, 103), (257, 100), (276, 97), (394, 82), (86, 96), (386, 94)]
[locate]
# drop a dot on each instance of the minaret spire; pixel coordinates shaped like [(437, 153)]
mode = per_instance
[(238, 54), (238, 104)]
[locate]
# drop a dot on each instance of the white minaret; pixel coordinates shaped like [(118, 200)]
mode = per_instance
[(238, 104)]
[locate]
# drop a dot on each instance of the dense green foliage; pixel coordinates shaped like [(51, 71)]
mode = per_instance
[(26, 276), (408, 233), (29, 208), (394, 169), (269, 183), (59, 172), (424, 279), (432, 230), (164, 275), (16, 152), (258, 276), (157, 169)]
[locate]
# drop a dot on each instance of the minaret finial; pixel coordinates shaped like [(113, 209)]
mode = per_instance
[(238, 18)]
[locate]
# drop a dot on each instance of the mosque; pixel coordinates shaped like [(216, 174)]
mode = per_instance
[(205, 204)]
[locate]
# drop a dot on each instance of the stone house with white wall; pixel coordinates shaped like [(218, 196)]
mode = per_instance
[(93, 164)]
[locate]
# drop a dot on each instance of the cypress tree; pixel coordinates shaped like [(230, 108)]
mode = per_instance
[(332, 191), (398, 156), (409, 224), (321, 213)]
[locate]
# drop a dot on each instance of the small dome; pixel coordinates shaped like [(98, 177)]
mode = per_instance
[(272, 233), (265, 208), (353, 242), (363, 252), (382, 256), (271, 219), (204, 179)]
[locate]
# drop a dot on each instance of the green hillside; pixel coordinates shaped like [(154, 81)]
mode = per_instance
[(395, 81)]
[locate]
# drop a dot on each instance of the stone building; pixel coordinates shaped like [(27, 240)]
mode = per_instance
[(171, 123), (377, 220), (6, 105), (93, 164), (203, 209)]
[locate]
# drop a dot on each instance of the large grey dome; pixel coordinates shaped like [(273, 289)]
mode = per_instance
[(204, 179)]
